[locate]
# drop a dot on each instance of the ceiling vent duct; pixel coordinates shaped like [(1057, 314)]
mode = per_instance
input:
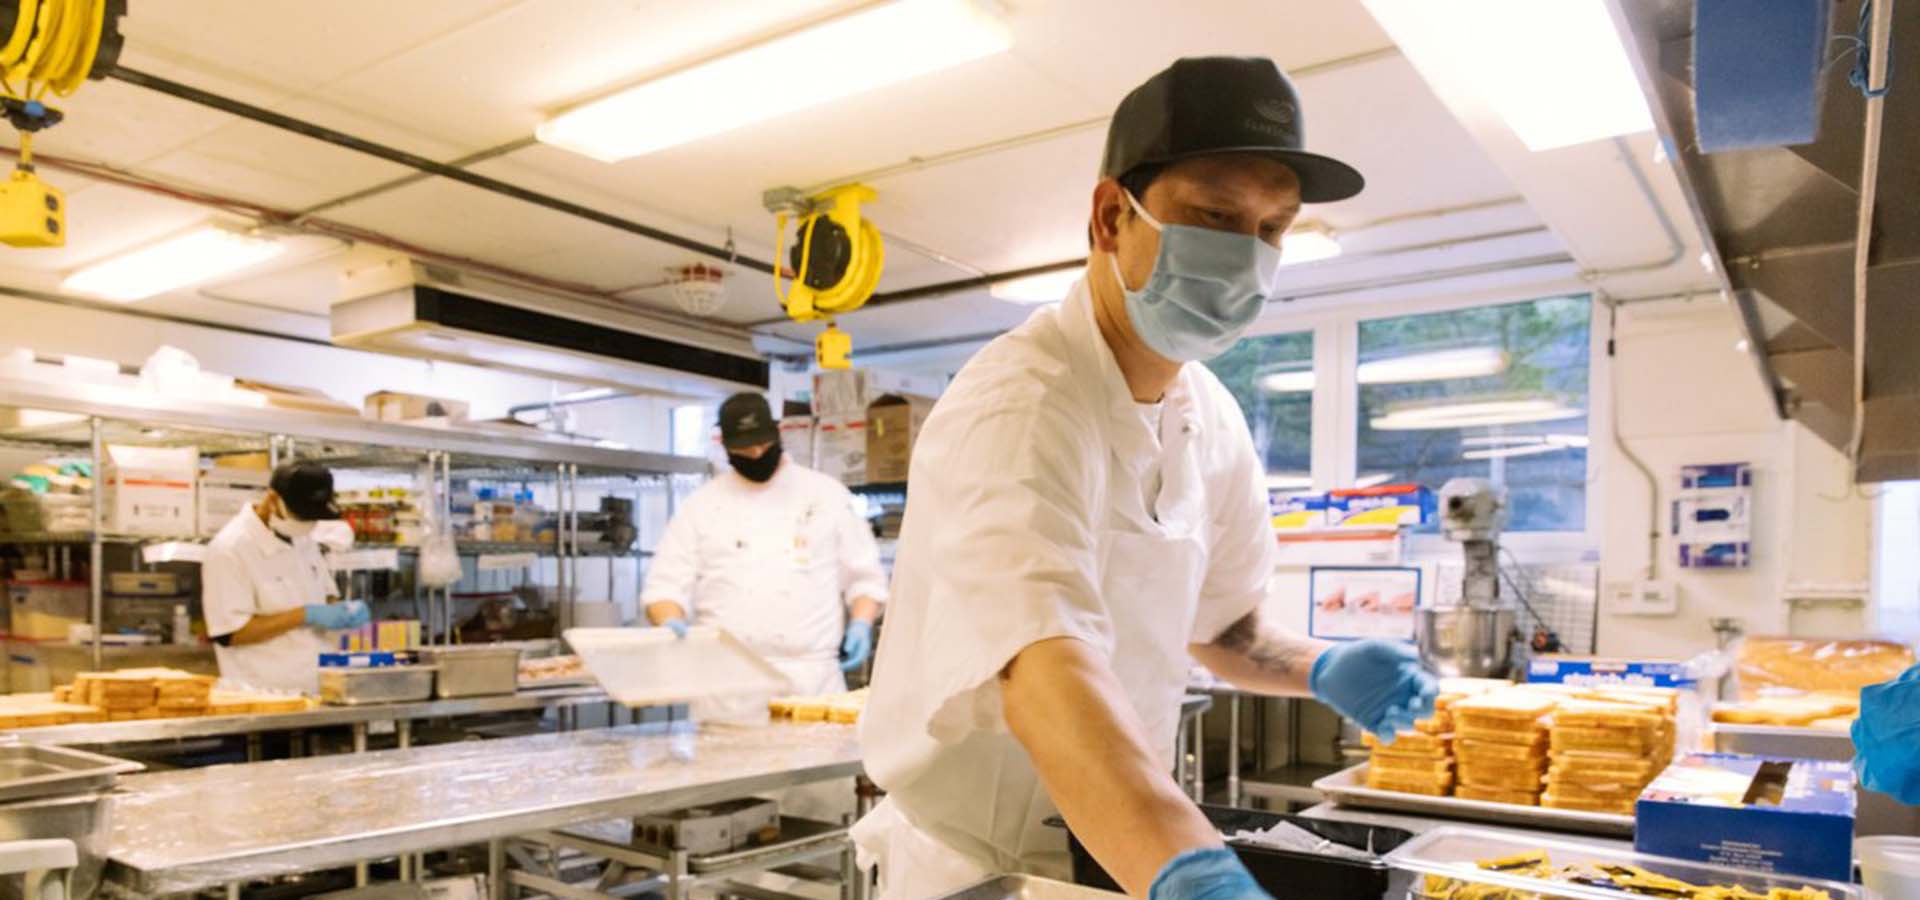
[(408, 309)]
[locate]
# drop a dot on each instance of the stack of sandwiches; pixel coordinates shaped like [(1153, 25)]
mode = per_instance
[(1500, 745), (1606, 747)]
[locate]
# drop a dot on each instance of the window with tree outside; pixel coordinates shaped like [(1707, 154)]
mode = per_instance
[(1272, 378), (1497, 392)]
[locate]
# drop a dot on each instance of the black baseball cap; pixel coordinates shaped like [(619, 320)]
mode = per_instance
[(1205, 105), (747, 421), (307, 490)]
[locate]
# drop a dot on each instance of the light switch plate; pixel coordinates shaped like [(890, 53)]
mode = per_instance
[(1643, 598)]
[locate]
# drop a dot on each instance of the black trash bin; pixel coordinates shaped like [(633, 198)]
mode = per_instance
[(1284, 873)]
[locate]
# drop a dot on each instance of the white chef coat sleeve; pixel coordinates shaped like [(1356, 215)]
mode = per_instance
[(675, 566), (1240, 560), (226, 592), (860, 572), (1009, 555)]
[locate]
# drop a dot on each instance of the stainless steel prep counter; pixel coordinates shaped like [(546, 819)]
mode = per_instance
[(222, 726), (197, 828)]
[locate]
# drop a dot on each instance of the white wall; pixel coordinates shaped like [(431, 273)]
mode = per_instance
[(346, 375), (1896, 559), (1688, 394)]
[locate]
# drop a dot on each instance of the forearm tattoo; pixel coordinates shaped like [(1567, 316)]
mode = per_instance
[(1276, 654)]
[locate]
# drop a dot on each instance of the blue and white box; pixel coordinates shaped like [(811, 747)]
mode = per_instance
[(1789, 816)]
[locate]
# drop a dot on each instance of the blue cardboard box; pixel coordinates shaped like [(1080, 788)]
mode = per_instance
[(1791, 816), (1605, 672)]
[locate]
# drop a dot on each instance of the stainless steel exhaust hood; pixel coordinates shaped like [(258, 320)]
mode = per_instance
[(407, 309)]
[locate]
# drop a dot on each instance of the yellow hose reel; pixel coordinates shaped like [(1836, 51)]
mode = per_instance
[(49, 46), (836, 261)]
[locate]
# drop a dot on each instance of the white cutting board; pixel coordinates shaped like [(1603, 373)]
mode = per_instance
[(649, 666)]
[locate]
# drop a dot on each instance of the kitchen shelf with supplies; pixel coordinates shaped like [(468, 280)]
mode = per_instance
[(77, 424)]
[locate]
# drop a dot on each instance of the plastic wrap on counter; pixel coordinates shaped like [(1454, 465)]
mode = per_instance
[(193, 827), (1785, 666)]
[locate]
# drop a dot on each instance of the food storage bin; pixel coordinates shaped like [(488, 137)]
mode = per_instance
[(476, 671), (1282, 872), (387, 684), (1449, 857)]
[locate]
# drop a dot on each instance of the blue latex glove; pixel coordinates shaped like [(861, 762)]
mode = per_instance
[(677, 626), (1378, 684), (1215, 874), (1887, 737), (858, 645), (338, 616)]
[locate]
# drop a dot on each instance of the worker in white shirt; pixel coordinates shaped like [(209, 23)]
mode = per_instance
[(1088, 514), (773, 553), (267, 594)]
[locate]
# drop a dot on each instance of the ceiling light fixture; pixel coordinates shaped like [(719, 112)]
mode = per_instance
[(869, 48), (1308, 242), (1284, 482), (1295, 382), (197, 256), (1033, 290), (1475, 414), (1505, 445), (1440, 365), (1556, 71)]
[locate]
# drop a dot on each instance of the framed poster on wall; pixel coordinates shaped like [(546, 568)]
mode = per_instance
[(1352, 602)]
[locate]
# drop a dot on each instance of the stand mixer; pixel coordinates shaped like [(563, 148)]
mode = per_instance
[(1474, 636)]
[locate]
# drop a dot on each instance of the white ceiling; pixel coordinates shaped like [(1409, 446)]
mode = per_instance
[(447, 78)]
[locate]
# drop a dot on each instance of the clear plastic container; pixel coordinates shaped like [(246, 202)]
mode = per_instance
[(1454, 853)]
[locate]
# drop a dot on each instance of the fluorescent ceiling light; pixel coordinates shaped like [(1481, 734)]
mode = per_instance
[(1296, 382), (1306, 243), (1289, 482), (1475, 413), (1505, 452), (200, 255), (1034, 290), (1555, 70), (1442, 365), (869, 48), (1502, 446)]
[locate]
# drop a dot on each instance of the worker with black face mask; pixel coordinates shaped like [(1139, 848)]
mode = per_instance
[(773, 553)]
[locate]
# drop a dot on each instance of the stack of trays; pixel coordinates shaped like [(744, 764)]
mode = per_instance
[(1605, 751), (1500, 745), (1413, 763)]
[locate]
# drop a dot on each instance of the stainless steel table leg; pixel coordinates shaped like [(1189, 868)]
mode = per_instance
[(677, 876), (403, 730), (253, 747), (359, 874), (233, 890), (497, 869), (359, 737), (1233, 749), (1199, 757)]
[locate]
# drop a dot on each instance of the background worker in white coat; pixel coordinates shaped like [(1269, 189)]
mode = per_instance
[(1088, 513), (773, 553), (267, 593)]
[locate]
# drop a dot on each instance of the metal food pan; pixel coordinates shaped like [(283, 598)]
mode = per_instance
[(1028, 887), (28, 771), (473, 671), (387, 684), (1348, 787)]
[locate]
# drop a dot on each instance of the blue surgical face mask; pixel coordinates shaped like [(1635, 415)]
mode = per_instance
[(1207, 286)]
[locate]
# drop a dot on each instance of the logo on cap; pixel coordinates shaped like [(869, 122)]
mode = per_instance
[(1274, 109), (750, 420)]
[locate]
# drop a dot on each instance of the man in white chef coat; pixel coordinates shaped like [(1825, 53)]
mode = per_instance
[(1087, 515), (267, 594), (772, 552)]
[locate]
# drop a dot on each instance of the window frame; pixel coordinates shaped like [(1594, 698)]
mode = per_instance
[(1336, 397)]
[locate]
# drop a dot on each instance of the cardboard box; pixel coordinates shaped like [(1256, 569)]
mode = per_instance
[(151, 490), (893, 424), (1388, 504), (841, 392), (42, 610), (796, 439), (840, 448), (395, 406), (1791, 816), (224, 492)]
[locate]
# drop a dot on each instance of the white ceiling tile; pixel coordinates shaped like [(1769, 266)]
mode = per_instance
[(119, 124), (267, 165)]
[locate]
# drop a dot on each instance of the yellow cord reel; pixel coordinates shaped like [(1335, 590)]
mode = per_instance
[(49, 46), (836, 260)]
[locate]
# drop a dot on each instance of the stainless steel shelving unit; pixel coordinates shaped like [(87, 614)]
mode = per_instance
[(80, 420)]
